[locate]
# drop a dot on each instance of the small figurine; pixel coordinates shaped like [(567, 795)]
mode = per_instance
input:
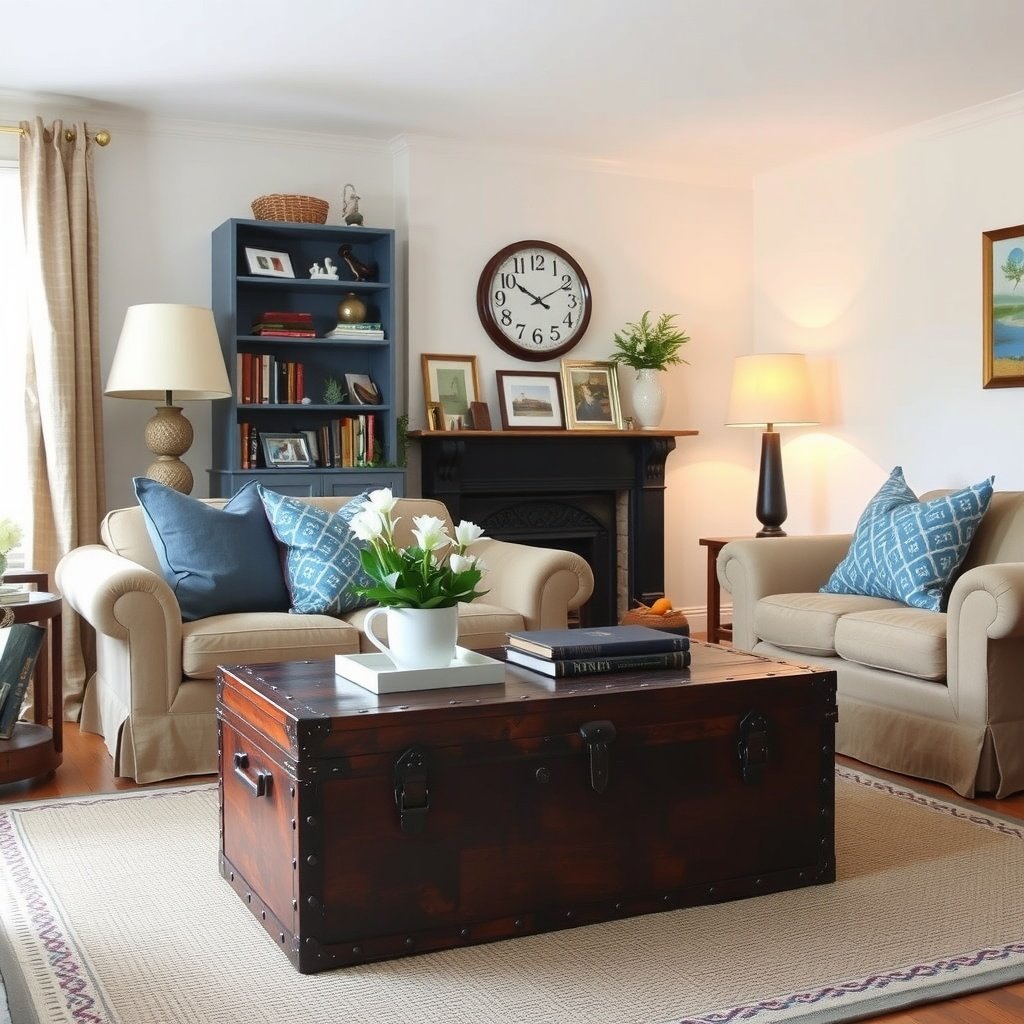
[(350, 206), (360, 271), (314, 271), (328, 272)]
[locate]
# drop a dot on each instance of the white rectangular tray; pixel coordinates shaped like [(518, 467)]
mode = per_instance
[(377, 672)]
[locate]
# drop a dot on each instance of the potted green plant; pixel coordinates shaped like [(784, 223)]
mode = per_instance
[(649, 349)]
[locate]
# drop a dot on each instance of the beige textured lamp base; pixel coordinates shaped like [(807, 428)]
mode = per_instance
[(168, 434)]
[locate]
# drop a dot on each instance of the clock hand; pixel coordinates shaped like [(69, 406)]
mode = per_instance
[(536, 300), (560, 288)]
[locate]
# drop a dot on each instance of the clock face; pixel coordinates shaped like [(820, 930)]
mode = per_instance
[(534, 300)]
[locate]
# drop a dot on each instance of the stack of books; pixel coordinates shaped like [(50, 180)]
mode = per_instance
[(359, 332), (278, 324), (582, 652), (12, 593)]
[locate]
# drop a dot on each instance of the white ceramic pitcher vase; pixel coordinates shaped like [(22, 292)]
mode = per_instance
[(417, 637)]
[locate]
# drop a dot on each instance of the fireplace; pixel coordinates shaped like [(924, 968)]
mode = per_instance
[(597, 493)]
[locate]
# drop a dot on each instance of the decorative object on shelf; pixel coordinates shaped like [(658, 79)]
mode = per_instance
[(350, 206), (533, 300), (530, 400), (351, 309), (1002, 271), (286, 450), (435, 416), (769, 390), (362, 388), (264, 263), (328, 271), (590, 389), (649, 349), (360, 271), (479, 416), (10, 537), (451, 381), (430, 577), (334, 393), (167, 351), (295, 208)]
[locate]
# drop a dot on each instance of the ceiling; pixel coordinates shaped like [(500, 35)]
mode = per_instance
[(720, 89)]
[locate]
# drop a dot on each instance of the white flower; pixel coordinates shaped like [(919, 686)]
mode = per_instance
[(367, 524), (382, 500), (467, 533), (460, 563), (430, 532)]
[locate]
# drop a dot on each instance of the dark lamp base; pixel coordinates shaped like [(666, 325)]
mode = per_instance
[(771, 490)]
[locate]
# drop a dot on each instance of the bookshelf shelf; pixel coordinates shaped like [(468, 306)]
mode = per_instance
[(264, 367)]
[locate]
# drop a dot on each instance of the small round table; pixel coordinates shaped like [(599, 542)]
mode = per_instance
[(35, 748)]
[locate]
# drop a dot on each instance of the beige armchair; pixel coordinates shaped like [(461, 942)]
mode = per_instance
[(152, 697), (936, 695)]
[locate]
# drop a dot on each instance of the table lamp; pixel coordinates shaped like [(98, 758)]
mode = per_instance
[(768, 391), (168, 351)]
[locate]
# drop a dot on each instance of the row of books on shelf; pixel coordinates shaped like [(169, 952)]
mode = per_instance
[(267, 380), (23, 642), (346, 442), (582, 652)]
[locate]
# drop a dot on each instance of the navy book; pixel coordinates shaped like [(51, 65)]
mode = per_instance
[(565, 668), (16, 666), (597, 641)]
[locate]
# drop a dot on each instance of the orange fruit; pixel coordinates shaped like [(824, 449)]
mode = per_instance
[(661, 606)]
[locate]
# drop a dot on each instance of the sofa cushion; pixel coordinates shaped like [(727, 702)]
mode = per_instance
[(322, 555), (258, 637), (806, 623), (481, 626), (216, 560), (909, 550), (905, 640)]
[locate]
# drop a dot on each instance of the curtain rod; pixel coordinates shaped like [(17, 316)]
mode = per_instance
[(102, 137)]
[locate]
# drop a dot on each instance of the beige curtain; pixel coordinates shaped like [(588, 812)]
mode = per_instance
[(62, 389)]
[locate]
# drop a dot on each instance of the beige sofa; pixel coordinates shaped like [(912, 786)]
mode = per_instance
[(152, 697), (936, 695)]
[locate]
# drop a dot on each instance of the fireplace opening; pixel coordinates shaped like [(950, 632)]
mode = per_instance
[(582, 523)]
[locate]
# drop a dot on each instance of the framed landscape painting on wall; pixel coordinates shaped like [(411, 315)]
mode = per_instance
[(1003, 314)]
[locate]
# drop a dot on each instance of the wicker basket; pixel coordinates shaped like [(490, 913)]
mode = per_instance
[(297, 209), (672, 622)]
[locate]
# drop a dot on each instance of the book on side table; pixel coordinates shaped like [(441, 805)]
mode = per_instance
[(16, 665), (12, 593)]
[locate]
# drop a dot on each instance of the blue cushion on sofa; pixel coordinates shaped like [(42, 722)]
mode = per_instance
[(909, 550), (216, 560), (322, 563)]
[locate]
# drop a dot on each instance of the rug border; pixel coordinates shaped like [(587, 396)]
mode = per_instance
[(20, 1007)]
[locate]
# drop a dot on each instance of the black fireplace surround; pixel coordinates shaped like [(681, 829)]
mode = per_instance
[(560, 489)]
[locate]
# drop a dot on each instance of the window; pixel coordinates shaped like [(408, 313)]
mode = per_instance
[(14, 501)]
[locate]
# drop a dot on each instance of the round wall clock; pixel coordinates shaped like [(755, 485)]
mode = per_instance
[(534, 300)]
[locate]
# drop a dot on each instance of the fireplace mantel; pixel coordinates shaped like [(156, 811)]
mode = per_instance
[(479, 470)]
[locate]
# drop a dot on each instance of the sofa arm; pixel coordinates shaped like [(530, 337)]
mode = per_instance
[(542, 584), (753, 568), (136, 611), (985, 642)]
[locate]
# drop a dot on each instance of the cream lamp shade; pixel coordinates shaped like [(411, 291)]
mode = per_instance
[(168, 351), (768, 390)]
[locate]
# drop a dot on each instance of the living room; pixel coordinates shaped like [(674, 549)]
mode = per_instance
[(803, 240)]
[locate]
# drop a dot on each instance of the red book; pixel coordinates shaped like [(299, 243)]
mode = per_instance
[(275, 317), (300, 382), (371, 450), (247, 378), (274, 333)]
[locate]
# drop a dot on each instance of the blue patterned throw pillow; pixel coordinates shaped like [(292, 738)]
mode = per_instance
[(216, 560), (322, 563), (909, 550)]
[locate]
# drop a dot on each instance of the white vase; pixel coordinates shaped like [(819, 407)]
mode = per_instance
[(417, 637), (648, 398)]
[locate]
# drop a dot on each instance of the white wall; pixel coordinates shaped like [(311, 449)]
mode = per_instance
[(870, 260), (644, 242)]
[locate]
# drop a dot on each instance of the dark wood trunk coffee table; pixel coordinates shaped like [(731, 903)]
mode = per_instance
[(360, 827)]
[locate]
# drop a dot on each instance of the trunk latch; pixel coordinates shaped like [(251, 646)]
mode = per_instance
[(753, 747), (412, 795), (597, 736)]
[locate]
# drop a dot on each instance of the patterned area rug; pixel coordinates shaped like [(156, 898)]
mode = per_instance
[(113, 912)]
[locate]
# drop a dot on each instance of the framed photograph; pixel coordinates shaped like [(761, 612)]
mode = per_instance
[(435, 416), (265, 263), (453, 383), (1003, 291), (530, 400), (286, 450), (591, 393), (362, 389), (313, 444)]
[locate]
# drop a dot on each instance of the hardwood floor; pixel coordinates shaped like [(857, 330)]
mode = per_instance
[(87, 768)]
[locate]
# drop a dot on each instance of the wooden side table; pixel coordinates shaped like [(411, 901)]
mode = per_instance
[(718, 630), (35, 748)]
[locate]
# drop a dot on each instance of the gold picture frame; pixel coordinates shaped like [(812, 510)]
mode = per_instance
[(1002, 263), (453, 383), (590, 390)]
